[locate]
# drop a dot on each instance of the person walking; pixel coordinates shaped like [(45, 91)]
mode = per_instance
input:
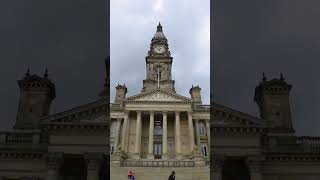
[(130, 173), (172, 176), (132, 177)]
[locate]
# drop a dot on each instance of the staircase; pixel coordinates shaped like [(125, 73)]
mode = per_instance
[(160, 173)]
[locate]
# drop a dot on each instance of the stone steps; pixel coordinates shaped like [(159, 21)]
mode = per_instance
[(160, 173)]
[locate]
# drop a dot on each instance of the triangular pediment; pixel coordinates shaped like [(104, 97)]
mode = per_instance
[(225, 116), (94, 112), (158, 95)]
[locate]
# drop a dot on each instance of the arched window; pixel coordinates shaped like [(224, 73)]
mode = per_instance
[(202, 129)]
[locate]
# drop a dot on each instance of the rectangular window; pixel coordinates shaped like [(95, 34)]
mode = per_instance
[(111, 149), (204, 150)]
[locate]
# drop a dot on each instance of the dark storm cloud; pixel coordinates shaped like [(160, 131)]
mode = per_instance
[(67, 37), (251, 37)]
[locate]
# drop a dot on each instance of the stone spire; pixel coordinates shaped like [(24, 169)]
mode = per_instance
[(159, 33)]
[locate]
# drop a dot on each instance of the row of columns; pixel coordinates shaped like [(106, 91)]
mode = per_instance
[(125, 130)]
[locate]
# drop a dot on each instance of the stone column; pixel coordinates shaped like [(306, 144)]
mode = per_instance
[(177, 135), (118, 134), (93, 165), (151, 134), (197, 132), (138, 136), (208, 133), (254, 164), (124, 131), (54, 162), (191, 131), (164, 136), (216, 168)]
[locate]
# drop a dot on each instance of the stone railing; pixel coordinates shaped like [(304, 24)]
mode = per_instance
[(157, 163), (197, 107), (303, 144), (20, 137), (309, 143)]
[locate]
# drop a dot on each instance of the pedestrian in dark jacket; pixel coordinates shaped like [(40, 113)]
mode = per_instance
[(172, 176)]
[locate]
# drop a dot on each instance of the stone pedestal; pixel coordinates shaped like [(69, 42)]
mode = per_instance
[(54, 161)]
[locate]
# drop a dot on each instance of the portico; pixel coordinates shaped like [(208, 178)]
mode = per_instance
[(164, 132)]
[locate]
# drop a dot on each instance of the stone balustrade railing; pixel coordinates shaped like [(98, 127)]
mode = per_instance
[(20, 137), (157, 163), (307, 141), (303, 144)]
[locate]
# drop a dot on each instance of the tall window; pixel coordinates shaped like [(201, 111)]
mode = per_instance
[(113, 129), (111, 149), (157, 149), (157, 130), (202, 129), (204, 150)]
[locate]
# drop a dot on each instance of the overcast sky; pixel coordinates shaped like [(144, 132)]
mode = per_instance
[(186, 24), (272, 36)]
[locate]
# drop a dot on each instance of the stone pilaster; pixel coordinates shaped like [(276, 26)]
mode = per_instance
[(93, 165), (208, 134), (118, 134), (124, 131), (138, 136), (151, 134), (191, 131), (254, 164), (197, 132), (54, 162), (177, 135), (164, 136), (216, 167)]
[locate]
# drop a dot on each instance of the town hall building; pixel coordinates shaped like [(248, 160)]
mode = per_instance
[(158, 127)]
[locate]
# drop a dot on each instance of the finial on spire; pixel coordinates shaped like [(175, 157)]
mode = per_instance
[(159, 27), (28, 72), (263, 77), (281, 77), (46, 73)]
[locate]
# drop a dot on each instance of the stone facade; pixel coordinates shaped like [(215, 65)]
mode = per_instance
[(66, 145), (159, 127)]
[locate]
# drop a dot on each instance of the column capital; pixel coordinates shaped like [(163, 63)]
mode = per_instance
[(152, 112), (119, 119), (189, 113), (165, 112), (177, 112), (139, 112)]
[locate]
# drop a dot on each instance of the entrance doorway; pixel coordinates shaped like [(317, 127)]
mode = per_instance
[(157, 151), (235, 170), (74, 168)]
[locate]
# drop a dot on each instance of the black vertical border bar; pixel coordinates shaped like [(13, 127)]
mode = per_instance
[(107, 81), (212, 59)]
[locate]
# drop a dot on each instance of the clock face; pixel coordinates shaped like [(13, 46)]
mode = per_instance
[(159, 49)]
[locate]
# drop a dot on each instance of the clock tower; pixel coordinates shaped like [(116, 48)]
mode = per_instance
[(158, 64)]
